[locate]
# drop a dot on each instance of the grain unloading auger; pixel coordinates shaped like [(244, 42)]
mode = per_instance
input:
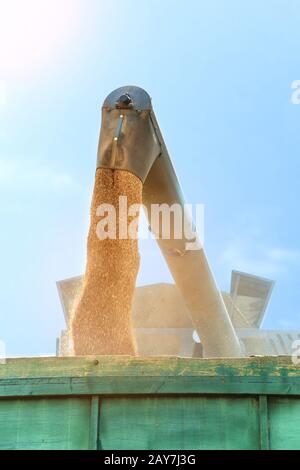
[(131, 140)]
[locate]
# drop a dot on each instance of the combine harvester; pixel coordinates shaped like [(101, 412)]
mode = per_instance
[(206, 376)]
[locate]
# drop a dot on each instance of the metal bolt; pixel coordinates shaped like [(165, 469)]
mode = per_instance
[(124, 100)]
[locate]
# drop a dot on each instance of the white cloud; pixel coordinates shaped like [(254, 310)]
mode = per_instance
[(23, 174), (256, 259), (35, 32)]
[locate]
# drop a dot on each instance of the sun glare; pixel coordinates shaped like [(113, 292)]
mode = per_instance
[(33, 32)]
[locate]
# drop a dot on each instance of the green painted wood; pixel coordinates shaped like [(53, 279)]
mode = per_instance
[(284, 415), (94, 423), (43, 424), (91, 366), (154, 404), (148, 385), (179, 423), (115, 375), (264, 423)]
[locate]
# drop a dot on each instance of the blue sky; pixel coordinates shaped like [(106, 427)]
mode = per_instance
[(220, 74)]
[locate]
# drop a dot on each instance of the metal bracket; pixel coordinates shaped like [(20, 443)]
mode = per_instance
[(128, 141)]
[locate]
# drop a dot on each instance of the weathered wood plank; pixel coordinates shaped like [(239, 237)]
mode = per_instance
[(264, 423), (119, 375), (45, 424), (184, 423), (94, 423), (128, 366), (284, 416), (135, 385)]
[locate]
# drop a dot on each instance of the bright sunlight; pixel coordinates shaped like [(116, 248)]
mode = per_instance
[(33, 32)]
